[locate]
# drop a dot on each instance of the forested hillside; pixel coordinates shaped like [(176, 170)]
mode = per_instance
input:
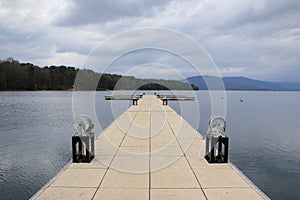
[(26, 76)]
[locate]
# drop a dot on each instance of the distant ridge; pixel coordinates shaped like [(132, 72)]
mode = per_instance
[(241, 83)]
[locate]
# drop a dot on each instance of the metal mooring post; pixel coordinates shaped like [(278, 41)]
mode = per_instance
[(135, 101), (216, 150), (83, 143), (165, 101)]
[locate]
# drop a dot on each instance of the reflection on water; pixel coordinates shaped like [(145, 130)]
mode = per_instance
[(33, 140), (264, 130)]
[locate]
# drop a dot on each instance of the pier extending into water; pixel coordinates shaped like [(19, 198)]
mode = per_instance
[(149, 152)]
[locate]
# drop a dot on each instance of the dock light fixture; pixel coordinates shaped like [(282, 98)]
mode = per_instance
[(83, 142), (216, 150)]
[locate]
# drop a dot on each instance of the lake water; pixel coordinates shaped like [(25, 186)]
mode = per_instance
[(264, 131)]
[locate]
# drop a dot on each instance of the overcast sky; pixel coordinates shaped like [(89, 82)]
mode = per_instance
[(254, 38)]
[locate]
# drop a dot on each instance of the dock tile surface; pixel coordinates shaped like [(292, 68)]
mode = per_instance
[(232, 194), (79, 177), (220, 177), (117, 179), (180, 194), (173, 178), (95, 164), (67, 193), (149, 152), (122, 193), (131, 163)]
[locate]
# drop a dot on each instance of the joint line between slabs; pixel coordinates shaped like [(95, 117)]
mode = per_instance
[(187, 160), (108, 167)]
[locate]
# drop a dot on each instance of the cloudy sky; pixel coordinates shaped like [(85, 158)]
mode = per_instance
[(254, 38)]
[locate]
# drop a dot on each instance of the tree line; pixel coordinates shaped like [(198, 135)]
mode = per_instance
[(26, 76)]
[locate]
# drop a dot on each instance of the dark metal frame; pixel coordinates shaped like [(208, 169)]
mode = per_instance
[(135, 102), (79, 153), (222, 143), (165, 101)]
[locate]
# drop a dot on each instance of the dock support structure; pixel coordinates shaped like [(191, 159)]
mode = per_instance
[(165, 102), (217, 149), (135, 102), (83, 148)]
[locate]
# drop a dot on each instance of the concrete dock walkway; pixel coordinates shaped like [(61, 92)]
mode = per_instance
[(149, 152)]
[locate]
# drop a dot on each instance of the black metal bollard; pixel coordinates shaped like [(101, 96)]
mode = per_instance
[(135, 102), (165, 101)]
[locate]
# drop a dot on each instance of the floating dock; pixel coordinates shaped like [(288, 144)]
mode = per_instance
[(149, 152), (176, 97), (122, 97)]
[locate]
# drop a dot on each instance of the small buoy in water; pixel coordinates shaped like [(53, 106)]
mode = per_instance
[(241, 100)]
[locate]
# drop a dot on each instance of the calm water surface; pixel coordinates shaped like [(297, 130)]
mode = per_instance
[(36, 130)]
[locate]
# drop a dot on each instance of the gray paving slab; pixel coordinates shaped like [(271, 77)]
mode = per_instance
[(149, 152)]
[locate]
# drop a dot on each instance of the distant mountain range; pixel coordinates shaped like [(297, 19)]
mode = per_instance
[(241, 83)]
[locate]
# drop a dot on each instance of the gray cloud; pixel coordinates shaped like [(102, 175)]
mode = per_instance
[(142, 61), (255, 38), (94, 12), (255, 12)]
